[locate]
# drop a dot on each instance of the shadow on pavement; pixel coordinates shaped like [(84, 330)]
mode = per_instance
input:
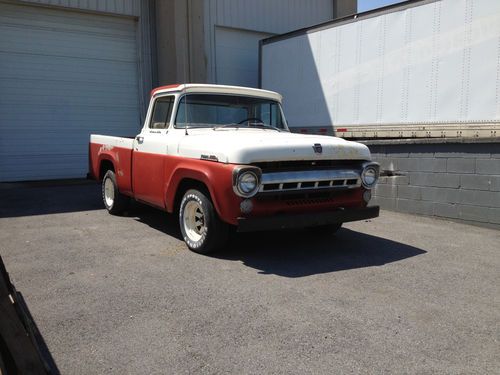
[(294, 253), (49, 197), (285, 253), (156, 219), (302, 253)]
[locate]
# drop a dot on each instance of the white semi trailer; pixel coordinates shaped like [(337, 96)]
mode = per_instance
[(428, 68)]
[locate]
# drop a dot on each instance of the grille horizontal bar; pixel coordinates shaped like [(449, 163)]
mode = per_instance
[(302, 180)]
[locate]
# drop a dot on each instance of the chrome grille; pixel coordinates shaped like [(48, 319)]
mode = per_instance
[(332, 179), (301, 165)]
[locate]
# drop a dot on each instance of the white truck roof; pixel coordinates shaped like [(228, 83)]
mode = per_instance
[(217, 89)]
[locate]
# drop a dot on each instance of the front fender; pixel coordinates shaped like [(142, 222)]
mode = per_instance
[(217, 177)]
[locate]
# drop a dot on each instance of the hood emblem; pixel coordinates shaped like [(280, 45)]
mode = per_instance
[(318, 149)]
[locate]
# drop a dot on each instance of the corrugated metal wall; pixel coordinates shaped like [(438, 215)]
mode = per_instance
[(124, 7), (133, 8), (63, 76), (83, 67)]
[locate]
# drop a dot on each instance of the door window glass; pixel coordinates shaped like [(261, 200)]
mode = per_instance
[(161, 112)]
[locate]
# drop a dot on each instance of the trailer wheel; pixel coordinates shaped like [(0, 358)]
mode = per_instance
[(202, 230), (114, 201)]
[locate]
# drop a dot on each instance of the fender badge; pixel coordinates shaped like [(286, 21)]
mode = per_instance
[(318, 149), (209, 157)]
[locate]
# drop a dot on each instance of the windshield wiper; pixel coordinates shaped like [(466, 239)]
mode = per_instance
[(237, 126)]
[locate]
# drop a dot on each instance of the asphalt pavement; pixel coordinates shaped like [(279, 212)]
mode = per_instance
[(399, 294)]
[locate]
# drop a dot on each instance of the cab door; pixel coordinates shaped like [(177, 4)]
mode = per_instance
[(150, 154)]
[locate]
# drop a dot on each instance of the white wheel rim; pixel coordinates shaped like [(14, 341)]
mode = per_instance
[(194, 221), (109, 192)]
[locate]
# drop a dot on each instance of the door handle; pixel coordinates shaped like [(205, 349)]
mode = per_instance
[(139, 139)]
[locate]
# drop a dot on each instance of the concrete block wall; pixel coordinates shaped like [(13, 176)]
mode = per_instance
[(459, 181)]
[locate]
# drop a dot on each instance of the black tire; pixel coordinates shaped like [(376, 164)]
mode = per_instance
[(202, 234), (118, 202), (325, 230)]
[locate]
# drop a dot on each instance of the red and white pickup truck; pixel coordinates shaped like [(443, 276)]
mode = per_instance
[(222, 157)]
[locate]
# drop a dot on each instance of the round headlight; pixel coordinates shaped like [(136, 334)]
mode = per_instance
[(247, 182), (369, 176)]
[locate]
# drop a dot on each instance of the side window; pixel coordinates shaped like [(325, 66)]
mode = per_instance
[(161, 112)]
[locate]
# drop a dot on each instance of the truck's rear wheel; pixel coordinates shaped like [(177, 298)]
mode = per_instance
[(201, 228), (114, 201)]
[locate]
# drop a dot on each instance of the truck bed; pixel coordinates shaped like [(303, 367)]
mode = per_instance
[(107, 152), (124, 142)]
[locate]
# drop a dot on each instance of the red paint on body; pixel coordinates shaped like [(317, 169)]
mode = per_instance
[(347, 199), (120, 157), (148, 177), (155, 179)]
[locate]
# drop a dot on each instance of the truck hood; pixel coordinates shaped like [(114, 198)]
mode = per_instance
[(246, 146)]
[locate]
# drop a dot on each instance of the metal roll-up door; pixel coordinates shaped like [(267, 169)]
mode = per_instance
[(237, 55), (64, 74)]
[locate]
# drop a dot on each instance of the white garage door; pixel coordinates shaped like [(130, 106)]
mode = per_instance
[(237, 56), (63, 75)]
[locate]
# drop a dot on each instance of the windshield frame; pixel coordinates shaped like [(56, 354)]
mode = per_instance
[(228, 126)]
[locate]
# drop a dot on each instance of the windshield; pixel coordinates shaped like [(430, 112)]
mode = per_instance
[(212, 110)]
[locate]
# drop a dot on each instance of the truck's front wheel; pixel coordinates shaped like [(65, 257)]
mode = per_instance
[(201, 228), (114, 201)]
